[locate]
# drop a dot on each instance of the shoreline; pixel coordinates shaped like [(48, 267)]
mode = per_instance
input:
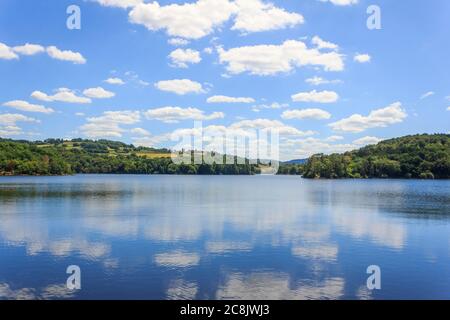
[(221, 175)]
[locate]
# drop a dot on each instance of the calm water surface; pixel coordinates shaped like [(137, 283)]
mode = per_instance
[(261, 237)]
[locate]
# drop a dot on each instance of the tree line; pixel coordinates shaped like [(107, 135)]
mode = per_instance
[(59, 157), (418, 157)]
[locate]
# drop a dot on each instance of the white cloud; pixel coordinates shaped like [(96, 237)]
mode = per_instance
[(80, 114), (362, 58), (9, 131), (65, 55), (273, 59), (321, 44), (109, 124), (134, 77), (267, 124), (377, 118), (26, 106), (122, 117), (341, 2), (426, 95), (198, 19), (181, 58), (226, 99), (448, 109), (117, 81), (256, 16), (180, 86), (176, 114), (367, 141), (98, 93), (317, 81), (189, 20), (29, 49), (8, 124), (143, 83), (317, 114), (305, 147), (274, 105), (119, 3), (7, 53), (61, 95), (315, 96), (178, 42), (140, 132), (334, 138), (11, 119), (208, 50)]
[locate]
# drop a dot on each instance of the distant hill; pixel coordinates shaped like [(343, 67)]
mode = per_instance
[(61, 157), (419, 156), (296, 161)]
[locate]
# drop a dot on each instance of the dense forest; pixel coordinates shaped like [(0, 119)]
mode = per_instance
[(64, 157), (419, 157), (290, 169)]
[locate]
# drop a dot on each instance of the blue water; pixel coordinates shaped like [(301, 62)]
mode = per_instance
[(224, 237)]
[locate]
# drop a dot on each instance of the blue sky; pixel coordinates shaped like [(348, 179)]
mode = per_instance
[(310, 68)]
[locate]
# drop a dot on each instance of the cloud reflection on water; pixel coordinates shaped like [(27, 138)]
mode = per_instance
[(192, 223), (53, 291), (278, 286)]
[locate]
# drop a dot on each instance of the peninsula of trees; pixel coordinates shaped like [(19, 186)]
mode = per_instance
[(410, 157)]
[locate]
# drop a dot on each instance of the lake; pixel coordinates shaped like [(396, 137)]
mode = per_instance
[(223, 237)]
